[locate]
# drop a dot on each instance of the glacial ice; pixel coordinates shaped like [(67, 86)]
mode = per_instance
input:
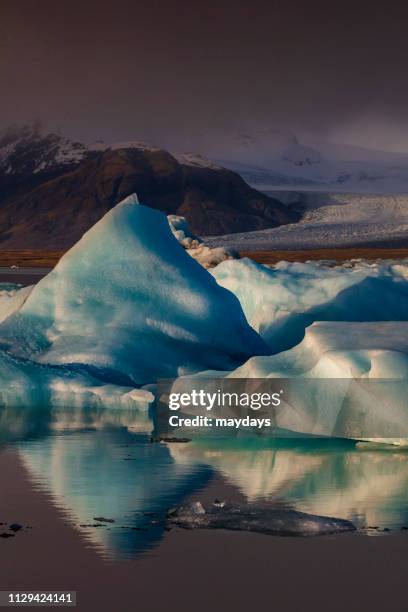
[(281, 302), (258, 518), (24, 383), (208, 257), (338, 349), (324, 322), (12, 297), (355, 381), (182, 232), (347, 323), (332, 219), (127, 305)]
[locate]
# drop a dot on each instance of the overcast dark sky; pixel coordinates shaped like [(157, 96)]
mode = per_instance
[(170, 71)]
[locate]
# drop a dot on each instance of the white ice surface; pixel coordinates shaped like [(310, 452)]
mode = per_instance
[(347, 380), (281, 301), (331, 220)]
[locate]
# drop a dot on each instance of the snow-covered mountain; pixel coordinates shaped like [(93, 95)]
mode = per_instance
[(346, 195), (53, 189), (267, 159), (277, 160), (28, 150)]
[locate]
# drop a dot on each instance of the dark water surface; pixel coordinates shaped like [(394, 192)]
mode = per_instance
[(95, 491), (22, 276)]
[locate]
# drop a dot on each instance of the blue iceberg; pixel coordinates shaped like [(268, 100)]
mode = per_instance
[(126, 306), (283, 301)]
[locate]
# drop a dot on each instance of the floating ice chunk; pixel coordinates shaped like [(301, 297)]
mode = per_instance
[(129, 304), (266, 519), (348, 407), (25, 383), (339, 350), (281, 302)]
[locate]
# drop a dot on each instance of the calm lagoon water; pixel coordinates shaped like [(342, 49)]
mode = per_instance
[(100, 465)]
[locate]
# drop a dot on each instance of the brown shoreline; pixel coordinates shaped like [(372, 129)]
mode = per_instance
[(30, 259), (48, 259), (272, 257)]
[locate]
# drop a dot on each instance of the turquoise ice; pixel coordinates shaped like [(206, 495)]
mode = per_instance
[(125, 306)]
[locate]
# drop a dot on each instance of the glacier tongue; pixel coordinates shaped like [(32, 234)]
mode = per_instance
[(131, 306)]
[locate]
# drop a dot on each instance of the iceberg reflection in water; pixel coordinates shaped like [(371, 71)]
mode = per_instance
[(115, 475), (318, 476), (98, 463), (104, 465)]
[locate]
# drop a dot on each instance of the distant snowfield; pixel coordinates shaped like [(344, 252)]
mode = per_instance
[(331, 220), (266, 163)]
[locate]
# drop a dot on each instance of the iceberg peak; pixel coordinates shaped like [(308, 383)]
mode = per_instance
[(130, 305), (130, 199)]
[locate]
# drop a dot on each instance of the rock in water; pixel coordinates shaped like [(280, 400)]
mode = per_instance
[(131, 306)]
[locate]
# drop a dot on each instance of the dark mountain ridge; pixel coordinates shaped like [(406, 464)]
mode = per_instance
[(53, 190)]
